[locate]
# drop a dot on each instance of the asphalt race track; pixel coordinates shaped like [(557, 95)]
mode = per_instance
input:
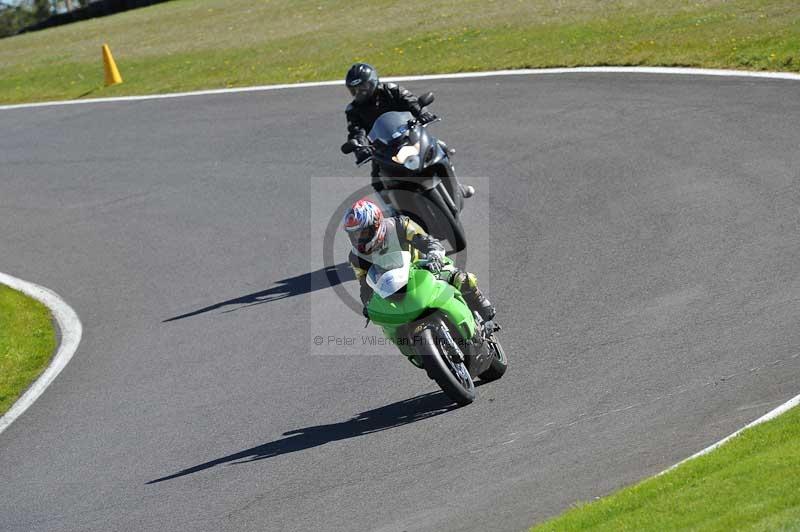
[(644, 255)]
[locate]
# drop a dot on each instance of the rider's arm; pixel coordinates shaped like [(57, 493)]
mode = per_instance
[(360, 268), (419, 239), (403, 99), (355, 129)]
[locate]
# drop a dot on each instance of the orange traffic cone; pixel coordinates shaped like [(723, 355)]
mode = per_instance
[(112, 74)]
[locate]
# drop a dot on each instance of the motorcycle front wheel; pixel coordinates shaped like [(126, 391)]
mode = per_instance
[(451, 228), (451, 376)]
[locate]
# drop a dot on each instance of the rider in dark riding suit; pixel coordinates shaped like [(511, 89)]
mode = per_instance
[(371, 99)]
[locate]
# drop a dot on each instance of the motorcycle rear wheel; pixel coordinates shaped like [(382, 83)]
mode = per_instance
[(499, 362), (452, 377)]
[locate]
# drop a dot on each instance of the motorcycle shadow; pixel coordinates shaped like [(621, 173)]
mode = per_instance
[(386, 417), (289, 287)]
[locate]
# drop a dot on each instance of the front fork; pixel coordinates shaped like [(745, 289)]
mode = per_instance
[(450, 345)]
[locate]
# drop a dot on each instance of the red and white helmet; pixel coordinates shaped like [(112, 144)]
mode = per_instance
[(364, 224)]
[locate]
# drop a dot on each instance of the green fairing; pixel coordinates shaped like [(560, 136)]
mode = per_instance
[(423, 292)]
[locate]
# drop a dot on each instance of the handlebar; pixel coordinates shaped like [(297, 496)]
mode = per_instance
[(351, 146), (415, 121), (365, 161)]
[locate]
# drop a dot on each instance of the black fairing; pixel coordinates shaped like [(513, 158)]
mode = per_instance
[(427, 146), (430, 194)]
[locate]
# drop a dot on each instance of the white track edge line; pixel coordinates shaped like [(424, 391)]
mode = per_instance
[(461, 75), (71, 332), (791, 403)]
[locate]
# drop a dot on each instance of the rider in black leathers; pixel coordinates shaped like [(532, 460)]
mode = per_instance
[(371, 99)]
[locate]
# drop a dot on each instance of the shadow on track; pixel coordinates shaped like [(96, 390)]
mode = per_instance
[(292, 286), (386, 417)]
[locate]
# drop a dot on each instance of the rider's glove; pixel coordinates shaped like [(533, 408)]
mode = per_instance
[(425, 117), (434, 265), (436, 253), (435, 260), (362, 154)]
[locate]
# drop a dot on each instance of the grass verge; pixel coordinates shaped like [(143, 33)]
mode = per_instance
[(27, 342), (750, 483), (195, 44)]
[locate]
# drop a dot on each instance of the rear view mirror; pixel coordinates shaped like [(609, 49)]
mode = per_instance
[(426, 99), (348, 147)]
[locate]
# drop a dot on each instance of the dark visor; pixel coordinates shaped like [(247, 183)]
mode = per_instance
[(359, 91)]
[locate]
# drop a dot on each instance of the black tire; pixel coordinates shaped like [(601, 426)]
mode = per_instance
[(451, 227), (460, 237), (451, 184), (442, 370), (499, 362)]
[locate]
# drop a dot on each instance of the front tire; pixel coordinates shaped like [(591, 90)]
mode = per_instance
[(451, 228), (452, 377)]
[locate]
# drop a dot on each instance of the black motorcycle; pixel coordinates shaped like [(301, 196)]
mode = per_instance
[(417, 175)]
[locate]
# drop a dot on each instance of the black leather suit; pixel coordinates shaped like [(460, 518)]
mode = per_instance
[(361, 116)]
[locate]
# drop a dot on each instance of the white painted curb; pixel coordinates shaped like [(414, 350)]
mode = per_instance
[(71, 332), (461, 75), (766, 417)]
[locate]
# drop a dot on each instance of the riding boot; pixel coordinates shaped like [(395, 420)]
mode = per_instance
[(478, 302)]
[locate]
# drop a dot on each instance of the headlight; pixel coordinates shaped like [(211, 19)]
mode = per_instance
[(405, 153), (412, 163)]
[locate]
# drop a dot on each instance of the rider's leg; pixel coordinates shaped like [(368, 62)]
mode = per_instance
[(467, 283)]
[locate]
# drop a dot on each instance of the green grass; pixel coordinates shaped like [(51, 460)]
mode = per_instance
[(194, 44), (27, 342), (751, 483)]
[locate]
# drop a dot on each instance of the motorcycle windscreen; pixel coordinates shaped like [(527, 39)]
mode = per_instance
[(391, 275), (390, 126)]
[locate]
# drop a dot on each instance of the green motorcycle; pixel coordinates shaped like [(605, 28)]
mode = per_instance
[(431, 324)]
